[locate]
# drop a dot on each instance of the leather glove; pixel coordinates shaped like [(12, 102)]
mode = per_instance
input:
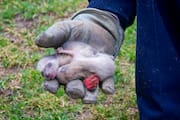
[(100, 29)]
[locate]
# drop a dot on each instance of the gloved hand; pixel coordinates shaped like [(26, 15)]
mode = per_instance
[(100, 29)]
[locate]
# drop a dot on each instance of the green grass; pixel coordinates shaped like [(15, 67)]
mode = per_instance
[(21, 94)]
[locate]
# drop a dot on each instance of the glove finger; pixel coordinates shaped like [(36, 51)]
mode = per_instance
[(55, 35)]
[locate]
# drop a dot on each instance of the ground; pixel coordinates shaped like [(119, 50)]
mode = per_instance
[(21, 92)]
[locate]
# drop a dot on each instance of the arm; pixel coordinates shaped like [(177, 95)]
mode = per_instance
[(125, 10)]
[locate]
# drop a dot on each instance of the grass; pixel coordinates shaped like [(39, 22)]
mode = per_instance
[(21, 94)]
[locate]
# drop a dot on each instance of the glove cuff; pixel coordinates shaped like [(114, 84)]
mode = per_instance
[(106, 20)]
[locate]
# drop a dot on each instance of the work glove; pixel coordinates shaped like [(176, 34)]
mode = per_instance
[(100, 29)]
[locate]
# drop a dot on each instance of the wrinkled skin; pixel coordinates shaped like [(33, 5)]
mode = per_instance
[(75, 60)]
